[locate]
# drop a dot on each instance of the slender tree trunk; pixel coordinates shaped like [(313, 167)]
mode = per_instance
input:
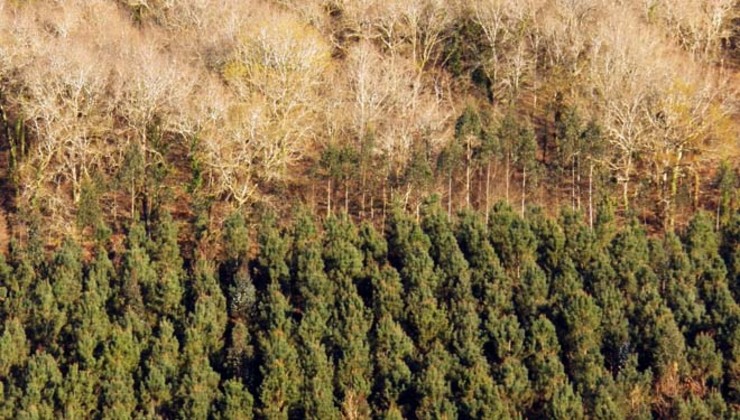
[(449, 196), (480, 188), (346, 198), (675, 175), (385, 200), (578, 183), (719, 206), (488, 188), (372, 208), (591, 196), (508, 175), (328, 197), (524, 189), (133, 199), (626, 184), (467, 174), (573, 183), (697, 189)]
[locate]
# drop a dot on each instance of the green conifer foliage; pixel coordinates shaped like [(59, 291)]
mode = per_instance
[(680, 288), (393, 349), (198, 387), (432, 385), (161, 369), (582, 343), (279, 390), (78, 396), (314, 297), (351, 319), (409, 253), (42, 380), (138, 278), (543, 361), (705, 362), (165, 297), (730, 250), (512, 238), (566, 404), (237, 402), (120, 359)]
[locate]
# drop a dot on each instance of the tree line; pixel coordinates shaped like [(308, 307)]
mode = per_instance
[(474, 316)]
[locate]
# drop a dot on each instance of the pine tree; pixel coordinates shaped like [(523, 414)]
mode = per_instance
[(543, 362), (343, 262), (680, 287), (512, 238), (279, 391), (531, 296), (161, 370), (489, 283), (237, 402), (314, 296), (582, 343), (137, 278), (409, 254), (432, 386), (78, 395), (392, 351), (565, 404), (705, 363), (42, 380), (198, 387), (14, 347), (165, 296), (120, 359)]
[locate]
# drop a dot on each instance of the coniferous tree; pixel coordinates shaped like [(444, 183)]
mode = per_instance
[(237, 402), (42, 381), (512, 238), (160, 372), (120, 359), (409, 253), (351, 318), (198, 387), (489, 282), (78, 397), (167, 293), (680, 287), (241, 300), (472, 385), (137, 278), (432, 386), (278, 391), (582, 344), (315, 299)]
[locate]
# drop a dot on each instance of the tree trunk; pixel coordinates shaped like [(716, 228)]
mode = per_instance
[(385, 201), (372, 210), (467, 174), (488, 188), (328, 198), (449, 196), (578, 183), (133, 199), (591, 196), (625, 184), (697, 189), (573, 183), (508, 176), (346, 198), (524, 189)]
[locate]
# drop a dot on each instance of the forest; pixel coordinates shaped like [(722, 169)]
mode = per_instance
[(325, 209), (507, 317)]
